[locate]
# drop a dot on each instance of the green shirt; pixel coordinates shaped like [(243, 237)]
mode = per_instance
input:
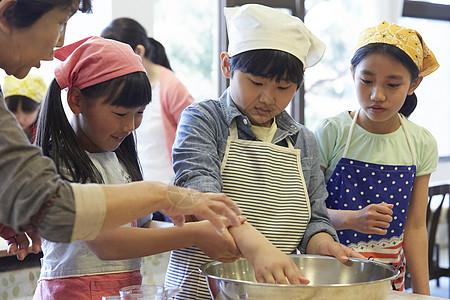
[(388, 149)]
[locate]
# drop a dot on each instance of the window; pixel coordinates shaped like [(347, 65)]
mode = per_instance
[(328, 85), (188, 31)]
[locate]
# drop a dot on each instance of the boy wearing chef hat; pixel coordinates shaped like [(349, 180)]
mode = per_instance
[(246, 145), (23, 98)]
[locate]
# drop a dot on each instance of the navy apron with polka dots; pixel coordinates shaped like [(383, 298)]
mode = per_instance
[(355, 184)]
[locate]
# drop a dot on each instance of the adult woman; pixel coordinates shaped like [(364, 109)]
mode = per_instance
[(33, 197)]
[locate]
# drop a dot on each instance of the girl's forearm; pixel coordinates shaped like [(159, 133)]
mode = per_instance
[(340, 219), (129, 242), (415, 245)]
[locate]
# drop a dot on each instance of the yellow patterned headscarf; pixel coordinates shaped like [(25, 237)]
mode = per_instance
[(408, 40), (32, 86)]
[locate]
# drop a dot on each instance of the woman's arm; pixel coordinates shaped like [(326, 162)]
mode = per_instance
[(415, 240), (138, 199), (34, 198)]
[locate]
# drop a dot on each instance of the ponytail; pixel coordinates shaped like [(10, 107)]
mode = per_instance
[(409, 105), (58, 140)]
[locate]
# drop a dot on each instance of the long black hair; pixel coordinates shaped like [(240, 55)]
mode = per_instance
[(130, 32), (59, 141), (24, 13), (157, 54), (386, 49), (269, 63)]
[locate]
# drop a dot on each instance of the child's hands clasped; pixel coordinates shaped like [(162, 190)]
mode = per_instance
[(208, 206)]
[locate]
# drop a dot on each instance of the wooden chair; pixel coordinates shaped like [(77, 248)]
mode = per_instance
[(437, 195), (436, 198)]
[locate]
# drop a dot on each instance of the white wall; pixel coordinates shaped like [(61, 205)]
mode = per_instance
[(442, 173), (140, 10)]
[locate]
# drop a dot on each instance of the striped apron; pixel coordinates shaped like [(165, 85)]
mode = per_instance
[(355, 184), (267, 183)]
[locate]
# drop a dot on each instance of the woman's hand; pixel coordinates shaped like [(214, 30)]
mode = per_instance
[(372, 219), (221, 247), (18, 243), (207, 206)]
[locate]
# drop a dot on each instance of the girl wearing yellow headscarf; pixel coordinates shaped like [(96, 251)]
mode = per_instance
[(23, 98), (377, 163)]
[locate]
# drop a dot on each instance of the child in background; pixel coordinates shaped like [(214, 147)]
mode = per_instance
[(377, 163), (108, 91), (23, 98), (157, 53), (156, 134), (246, 145)]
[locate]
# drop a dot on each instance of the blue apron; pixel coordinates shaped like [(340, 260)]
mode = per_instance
[(355, 184)]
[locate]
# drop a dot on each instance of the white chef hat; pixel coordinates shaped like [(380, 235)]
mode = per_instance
[(254, 26)]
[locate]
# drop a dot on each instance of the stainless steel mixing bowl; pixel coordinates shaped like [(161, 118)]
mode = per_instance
[(330, 280)]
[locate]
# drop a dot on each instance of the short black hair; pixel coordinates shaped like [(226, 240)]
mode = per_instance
[(24, 13), (269, 63), (27, 105)]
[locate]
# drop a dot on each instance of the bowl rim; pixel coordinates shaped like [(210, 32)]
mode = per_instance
[(395, 271)]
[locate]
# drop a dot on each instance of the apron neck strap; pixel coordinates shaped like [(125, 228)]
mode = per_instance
[(350, 132), (408, 137)]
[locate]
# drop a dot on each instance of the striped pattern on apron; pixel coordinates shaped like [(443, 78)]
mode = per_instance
[(267, 183)]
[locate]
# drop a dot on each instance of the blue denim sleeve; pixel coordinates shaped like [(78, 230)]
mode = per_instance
[(196, 154), (320, 220)]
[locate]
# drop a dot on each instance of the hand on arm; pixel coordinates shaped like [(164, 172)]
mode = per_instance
[(18, 243), (270, 264), (323, 244), (372, 219), (174, 202)]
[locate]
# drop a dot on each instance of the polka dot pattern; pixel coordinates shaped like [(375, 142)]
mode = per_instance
[(356, 184)]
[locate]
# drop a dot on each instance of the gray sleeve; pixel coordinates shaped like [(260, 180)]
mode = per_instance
[(32, 195), (317, 192)]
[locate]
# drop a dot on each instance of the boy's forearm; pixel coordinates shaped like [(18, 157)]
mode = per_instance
[(316, 240), (249, 240)]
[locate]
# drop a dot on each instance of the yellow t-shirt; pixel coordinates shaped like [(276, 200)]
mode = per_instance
[(265, 134)]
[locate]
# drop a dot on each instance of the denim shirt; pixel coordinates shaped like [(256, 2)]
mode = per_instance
[(201, 141)]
